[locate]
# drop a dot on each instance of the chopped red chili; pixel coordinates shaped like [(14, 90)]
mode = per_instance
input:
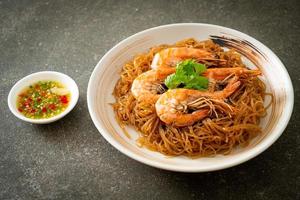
[(64, 99)]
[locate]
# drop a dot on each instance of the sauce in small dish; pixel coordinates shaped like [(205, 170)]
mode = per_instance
[(43, 99)]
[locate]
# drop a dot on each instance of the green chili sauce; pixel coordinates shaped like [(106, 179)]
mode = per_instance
[(43, 99)]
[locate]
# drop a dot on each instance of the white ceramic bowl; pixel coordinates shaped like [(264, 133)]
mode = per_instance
[(106, 73), (67, 81)]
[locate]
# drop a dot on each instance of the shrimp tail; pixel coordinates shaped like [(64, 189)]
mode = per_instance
[(231, 87), (255, 72)]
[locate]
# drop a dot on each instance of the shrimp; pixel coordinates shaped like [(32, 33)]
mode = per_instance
[(173, 106), (167, 59), (171, 56), (149, 85), (223, 73)]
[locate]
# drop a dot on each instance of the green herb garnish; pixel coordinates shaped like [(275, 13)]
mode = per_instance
[(188, 75)]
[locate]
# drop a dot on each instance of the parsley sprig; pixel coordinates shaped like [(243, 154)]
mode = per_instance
[(188, 75)]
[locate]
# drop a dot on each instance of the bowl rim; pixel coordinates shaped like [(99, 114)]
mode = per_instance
[(20, 84), (259, 148)]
